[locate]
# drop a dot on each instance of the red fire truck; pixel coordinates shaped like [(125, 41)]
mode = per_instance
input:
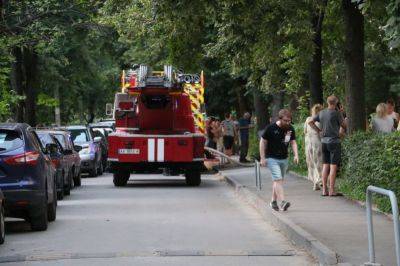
[(155, 126)]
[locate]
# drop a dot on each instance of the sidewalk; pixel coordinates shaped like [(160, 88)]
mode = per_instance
[(337, 223)]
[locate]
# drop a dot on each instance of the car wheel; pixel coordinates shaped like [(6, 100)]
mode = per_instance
[(60, 193), (93, 172), (78, 180), (52, 208), (100, 169), (193, 178), (39, 219), (2, 226), (120, 178), (67, 187)]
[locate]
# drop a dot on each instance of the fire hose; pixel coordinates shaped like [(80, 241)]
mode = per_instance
[(221, 154)]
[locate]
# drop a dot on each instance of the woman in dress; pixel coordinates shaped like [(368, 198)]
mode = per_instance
[(313, 149)]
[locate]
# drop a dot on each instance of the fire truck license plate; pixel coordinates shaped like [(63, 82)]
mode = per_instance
[(128, 151)]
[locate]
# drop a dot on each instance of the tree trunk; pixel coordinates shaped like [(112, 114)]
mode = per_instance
[(30, 63), (16, 83), (241, 107), (260, 109), (354, 58), (277, 104), (316, 65)]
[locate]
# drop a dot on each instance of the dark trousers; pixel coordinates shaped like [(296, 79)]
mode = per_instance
[(244, 147)]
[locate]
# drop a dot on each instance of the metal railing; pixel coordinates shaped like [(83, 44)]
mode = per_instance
[(258, 174), (395, 213)]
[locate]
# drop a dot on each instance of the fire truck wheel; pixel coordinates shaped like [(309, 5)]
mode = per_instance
[(193, 178), (121, 178)]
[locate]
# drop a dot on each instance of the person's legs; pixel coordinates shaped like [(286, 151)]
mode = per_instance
[(244, 146), (326, 160), (332, 179), (335, 149), (280, 195), (325, 173), (275, 175)]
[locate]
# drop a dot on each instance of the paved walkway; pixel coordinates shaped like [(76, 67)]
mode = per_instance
[(338, 223)]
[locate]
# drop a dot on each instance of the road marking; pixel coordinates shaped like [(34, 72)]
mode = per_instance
[(157, 253)]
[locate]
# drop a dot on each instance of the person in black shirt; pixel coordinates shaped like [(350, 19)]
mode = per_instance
[(274, 144)]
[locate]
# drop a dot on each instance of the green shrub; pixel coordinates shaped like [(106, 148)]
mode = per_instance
[(300, 168), (371, 159), (254, 151)]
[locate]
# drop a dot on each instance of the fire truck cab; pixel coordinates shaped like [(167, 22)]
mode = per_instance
[(155, 127)]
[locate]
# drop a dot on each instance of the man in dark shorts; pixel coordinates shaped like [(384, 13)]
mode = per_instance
[(331, 120)]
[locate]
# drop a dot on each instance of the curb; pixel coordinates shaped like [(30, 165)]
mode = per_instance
[(295, 233)]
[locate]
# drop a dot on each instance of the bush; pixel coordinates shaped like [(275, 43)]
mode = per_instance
[(300, 168), (371, 159), (367, 159)]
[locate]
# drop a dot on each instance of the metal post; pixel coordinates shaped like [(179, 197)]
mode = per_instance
[(371, 243), (255, 172), (259, 176), (395, 213)]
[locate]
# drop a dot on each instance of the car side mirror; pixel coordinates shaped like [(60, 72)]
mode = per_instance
[(77, 148), (97, 139), (51, 148)]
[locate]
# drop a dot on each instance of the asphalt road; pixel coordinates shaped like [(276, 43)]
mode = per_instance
[(151, 223)]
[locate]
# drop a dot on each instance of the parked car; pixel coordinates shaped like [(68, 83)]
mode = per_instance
[(63, 160), (2, 215), (103, 134), (27, 176), (90, 154), (71, 153)]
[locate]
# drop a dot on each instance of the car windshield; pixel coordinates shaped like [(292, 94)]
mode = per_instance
[(10, 140), (45, 138), (79, 135), (61, 139)]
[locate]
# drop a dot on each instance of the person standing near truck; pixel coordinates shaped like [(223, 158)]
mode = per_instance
[(228, 131)]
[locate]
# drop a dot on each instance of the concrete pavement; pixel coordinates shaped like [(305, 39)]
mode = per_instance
[(336, 223), (151, 223)]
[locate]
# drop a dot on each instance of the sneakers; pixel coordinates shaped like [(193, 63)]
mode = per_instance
[(274, 205), (285, 205)]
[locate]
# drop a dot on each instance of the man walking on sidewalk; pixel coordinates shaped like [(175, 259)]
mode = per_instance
[(331, 120), (274, 144)]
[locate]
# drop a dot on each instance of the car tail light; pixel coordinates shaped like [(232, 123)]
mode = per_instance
[(198, 147), (55, 162), (30, 158)]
